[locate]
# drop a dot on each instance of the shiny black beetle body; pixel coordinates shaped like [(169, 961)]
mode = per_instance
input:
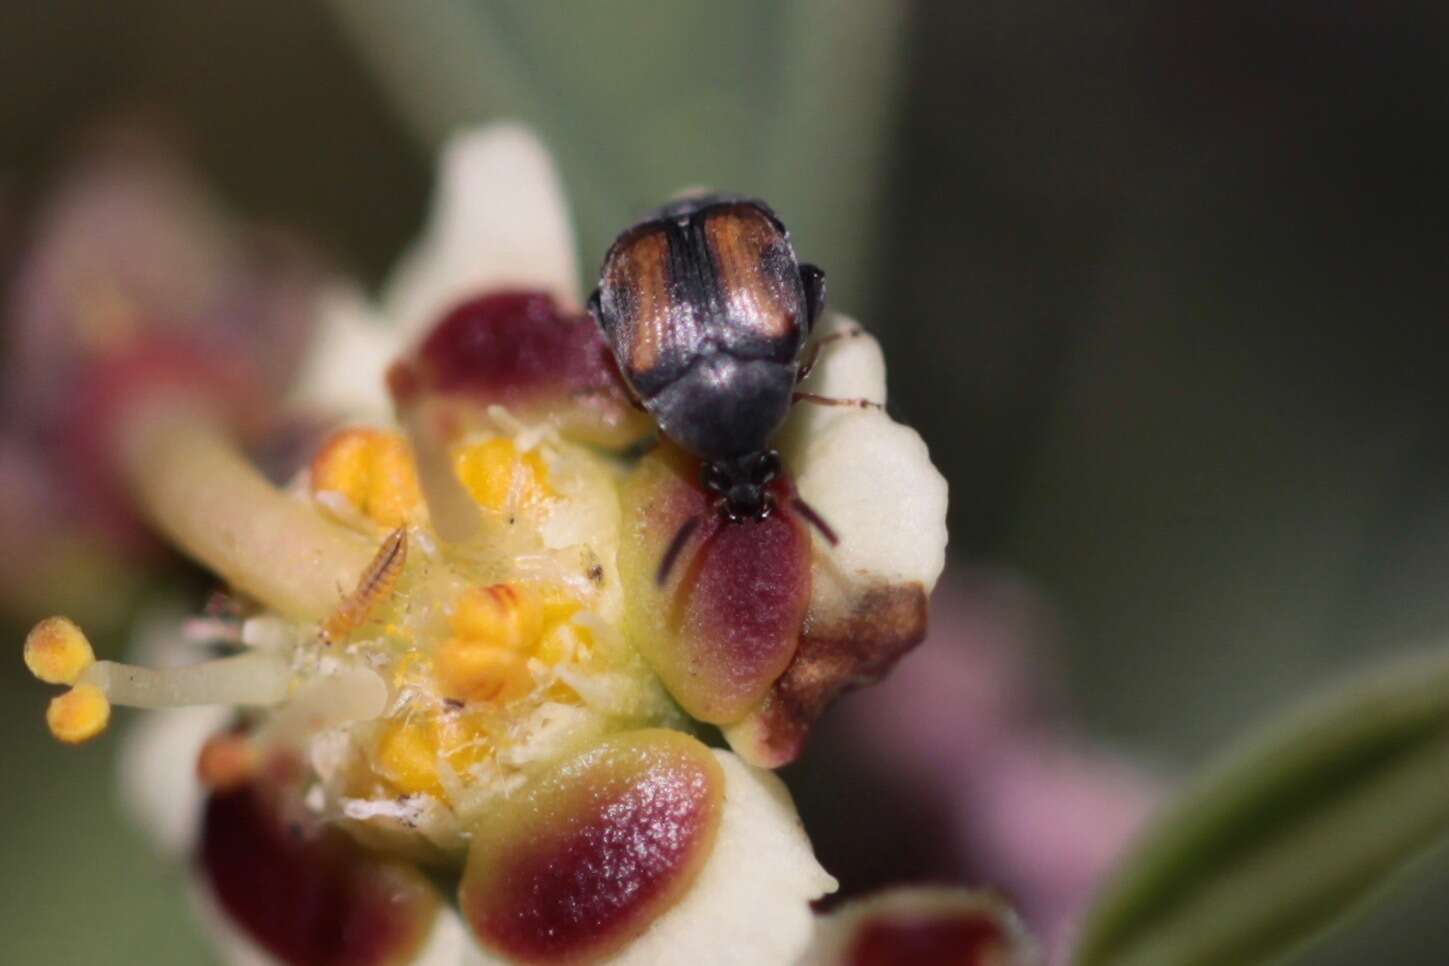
[(707, 311)]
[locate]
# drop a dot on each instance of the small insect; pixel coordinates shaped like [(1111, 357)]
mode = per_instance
[(708, 311), (377, 582)]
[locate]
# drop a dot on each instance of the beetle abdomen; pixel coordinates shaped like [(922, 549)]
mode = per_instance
[(725, 407)]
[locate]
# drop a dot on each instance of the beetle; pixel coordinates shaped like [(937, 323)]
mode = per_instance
[(708, 313)]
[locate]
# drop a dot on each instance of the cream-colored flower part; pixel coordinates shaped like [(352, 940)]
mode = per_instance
[(869, 475), (478, 665), (751, 903), (499, 221), (352, 344)]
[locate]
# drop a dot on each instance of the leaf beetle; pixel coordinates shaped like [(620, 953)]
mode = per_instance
[(708, 313)]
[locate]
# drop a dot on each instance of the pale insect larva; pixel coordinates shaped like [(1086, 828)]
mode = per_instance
[(375, 584)]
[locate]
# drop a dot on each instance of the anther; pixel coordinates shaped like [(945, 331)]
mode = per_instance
[(78, 715), (56, 651)]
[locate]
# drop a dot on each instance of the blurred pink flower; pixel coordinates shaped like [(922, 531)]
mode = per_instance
[(968, 732), (127, 276)]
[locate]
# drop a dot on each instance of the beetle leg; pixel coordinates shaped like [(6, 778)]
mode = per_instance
[(813, 278), (812, 352), (813, 517), (819, 400), (676, 546)]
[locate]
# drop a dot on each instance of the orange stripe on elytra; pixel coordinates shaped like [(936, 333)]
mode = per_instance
[(738, 239), (646, 277)]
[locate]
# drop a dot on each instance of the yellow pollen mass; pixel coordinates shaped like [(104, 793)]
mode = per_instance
[(558, 606), (504, 615), (407, 756), (56, 651), (410, 750), (462, 740), (562, 642), (373, 470), (501, 478), (471, 671), (78, 715)]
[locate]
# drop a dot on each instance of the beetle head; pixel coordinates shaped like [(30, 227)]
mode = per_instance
[(741, 483)]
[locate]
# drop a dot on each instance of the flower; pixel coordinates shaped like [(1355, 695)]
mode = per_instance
[(132, 276), (451, 649)]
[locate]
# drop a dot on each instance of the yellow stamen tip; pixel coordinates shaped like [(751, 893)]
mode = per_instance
[(56, 651), (78, 715)]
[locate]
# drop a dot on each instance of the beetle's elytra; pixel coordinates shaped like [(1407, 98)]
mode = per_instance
[(708, 311)]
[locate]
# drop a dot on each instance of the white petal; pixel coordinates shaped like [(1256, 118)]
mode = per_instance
[(158, 773), (499, 219), (872, 479), (750, 904), (344, 368), (159, 750), (851, 367), (450, 943)]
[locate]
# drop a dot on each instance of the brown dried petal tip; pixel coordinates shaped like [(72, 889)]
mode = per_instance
[(594, 849), (835, 655)]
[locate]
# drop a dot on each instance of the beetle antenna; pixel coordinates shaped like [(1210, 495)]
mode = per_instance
[(676, 547), (815, 520)]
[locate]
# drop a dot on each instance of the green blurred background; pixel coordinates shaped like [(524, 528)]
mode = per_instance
[(1164, 289)]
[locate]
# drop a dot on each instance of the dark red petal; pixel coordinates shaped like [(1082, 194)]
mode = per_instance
[(727, 622), (595, 849), (834, 655), (941, 940), (308, 894), (924, 926), (522, 350)]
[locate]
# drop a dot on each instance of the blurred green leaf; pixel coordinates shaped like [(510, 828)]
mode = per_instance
[(79, 884), (790, 102), (1273, 843)]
